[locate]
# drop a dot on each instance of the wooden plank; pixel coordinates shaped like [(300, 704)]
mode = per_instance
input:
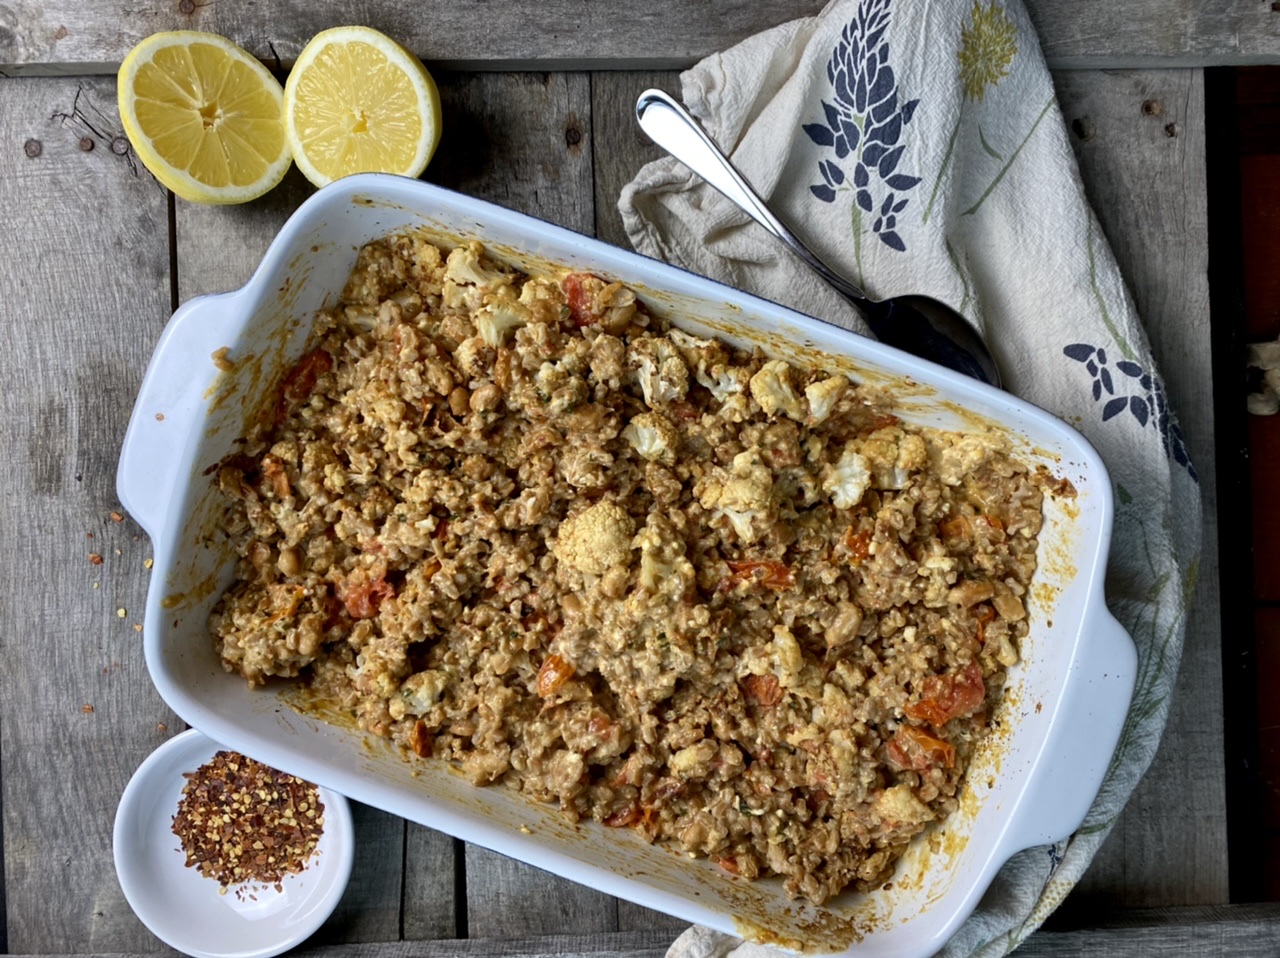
[(1139, 137), (84, 293), (614, 945), (64, 37), (619, 145), (1233, 931), (433, 898)]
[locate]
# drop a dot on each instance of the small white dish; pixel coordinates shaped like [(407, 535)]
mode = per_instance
[(183, 908)]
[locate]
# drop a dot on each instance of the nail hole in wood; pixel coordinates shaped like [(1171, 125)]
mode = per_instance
[(1171, 130), (32, 148), (1083, 128), (1152, 107)]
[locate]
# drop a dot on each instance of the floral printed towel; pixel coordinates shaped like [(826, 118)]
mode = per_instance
[(918, 147)]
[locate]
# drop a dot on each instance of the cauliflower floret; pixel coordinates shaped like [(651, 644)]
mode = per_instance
[(694, 761), (470, 357), (746, 498), (499, 317), (544, 299), (725, 382), (899, 806), (654, 437), (664, 564), (563, 390), (893, 455), (771, 388), (848, 480), (660, 369), (464, 267), (786, 652), (966, 454), (597, 539), (420, 692), (823, 396)]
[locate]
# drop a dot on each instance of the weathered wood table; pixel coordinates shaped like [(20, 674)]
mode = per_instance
[(94, 256)]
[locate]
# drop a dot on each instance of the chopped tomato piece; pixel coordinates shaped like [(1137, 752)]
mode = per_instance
[(273, 472), (771, 575), (363, 592), (579, 294), (420, 740), (984, 614), (917, 750), (765, 689), (882, 422), (957, 527), (301, 380), (858, 544), (729, 864), (621, 819), (950, 696), (552, 676)]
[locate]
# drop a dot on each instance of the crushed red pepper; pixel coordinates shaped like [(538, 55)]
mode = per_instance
[(242, 822)]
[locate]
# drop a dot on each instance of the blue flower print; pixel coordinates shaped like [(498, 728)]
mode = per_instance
[(864, 121), (1144, 398)]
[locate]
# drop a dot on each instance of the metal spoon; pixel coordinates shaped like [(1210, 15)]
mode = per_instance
[(916, 324)]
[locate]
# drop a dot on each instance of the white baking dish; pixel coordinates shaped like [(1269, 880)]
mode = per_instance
[(1033, 785)]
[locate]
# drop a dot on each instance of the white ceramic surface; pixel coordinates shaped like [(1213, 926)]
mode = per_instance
[(184, 909), (1059, 725)]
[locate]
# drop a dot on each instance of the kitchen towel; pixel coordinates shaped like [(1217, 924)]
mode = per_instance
[(917, 146)]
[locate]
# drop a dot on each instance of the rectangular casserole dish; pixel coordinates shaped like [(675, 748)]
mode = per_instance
[(1030, 784)]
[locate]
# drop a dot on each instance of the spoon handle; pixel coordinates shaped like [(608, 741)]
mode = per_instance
[(670, 126), (915, 324)]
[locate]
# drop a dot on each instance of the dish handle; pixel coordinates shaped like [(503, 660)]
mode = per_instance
[(170, 403), (1083, 737)]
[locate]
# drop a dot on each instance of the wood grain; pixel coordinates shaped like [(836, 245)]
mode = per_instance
[(1145, 176), (430, 901), (620, 146), (63, 37), (1233, 931), (84, 294)]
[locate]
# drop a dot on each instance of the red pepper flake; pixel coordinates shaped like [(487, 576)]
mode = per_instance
[(117, 517), (95, 559), (87, 709), (241, 822)]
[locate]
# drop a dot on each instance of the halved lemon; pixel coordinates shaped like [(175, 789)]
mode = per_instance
[(204, 116), (358, 102)]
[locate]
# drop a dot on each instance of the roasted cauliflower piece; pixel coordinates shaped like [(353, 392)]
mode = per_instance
[(660, 370), (653, 437), (772, 389), (596, 539), (848, 480)]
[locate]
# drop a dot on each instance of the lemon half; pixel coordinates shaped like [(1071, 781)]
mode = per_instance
[(204, 116), (358, 102)]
